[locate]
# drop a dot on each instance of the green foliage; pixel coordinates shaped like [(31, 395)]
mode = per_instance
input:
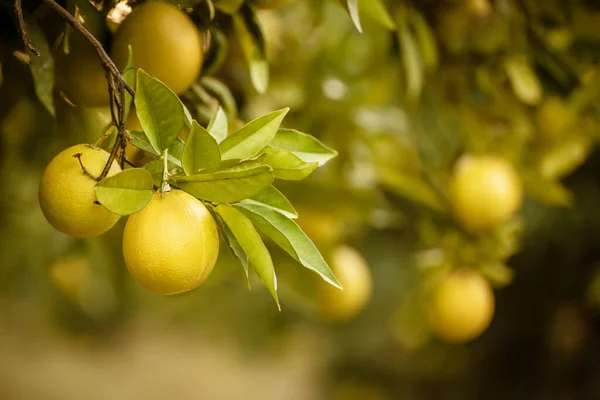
[(126, 192)]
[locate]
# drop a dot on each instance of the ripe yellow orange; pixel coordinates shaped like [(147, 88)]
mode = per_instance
[(165, 43), (462, 306), (67, 195), (484, 191), (172, 244), (79, 74), (354, 274)]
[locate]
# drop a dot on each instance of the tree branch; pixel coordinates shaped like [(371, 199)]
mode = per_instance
[(22, 30), (107, 63)]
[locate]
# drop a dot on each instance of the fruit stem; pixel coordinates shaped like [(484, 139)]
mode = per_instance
[(85, 170), (164, 186)]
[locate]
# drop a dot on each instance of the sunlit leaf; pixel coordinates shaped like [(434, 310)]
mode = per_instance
[(411, 188), (376, 9), (273, 198), (351, 7), (126, 192), (201, 151), (252, 244), (159, 110), (288, 235), (411, 60), (306, 147), (426, 40), (227, 186), (286, 165), (217, 127), (234, 245), (253, 137)]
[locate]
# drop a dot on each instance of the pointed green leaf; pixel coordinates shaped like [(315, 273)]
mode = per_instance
[(273, 198), (523, 80), (286, 165), (126, 192), (92, 18), (234, 245), (217, 127), (288, 235), (159, 110), (252, 42), (376, 9), (201, 151), (227, 186), (129, 77), (155, 167), (141, 141), (253, 137), (221, 92), (304, 146), (411, 59), (351, 7), (42, 67), (427, 42), (410, 187), (252, 244)]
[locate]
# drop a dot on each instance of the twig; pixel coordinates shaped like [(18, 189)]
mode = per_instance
[(85, 170), (22, 30), (107, 63)]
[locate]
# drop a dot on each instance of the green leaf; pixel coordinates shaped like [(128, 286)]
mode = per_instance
[(304, 146), (129, 77), (253, 137), (42, 67), (155, 167), (376, 10), (126, 192), (221, 92), (274, 199), (159, 110), (227, 186), (234, 245), (250, 35), (523, 80), (351, 7), (141, 141), (201, 151), (252, 244), (286, 165), (288, 235), (499, 274), (217, 127), (427, 42), (411, 60), (410, 187), (550, 192), (228, 6)]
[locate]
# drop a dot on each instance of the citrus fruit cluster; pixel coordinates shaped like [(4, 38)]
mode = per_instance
[(170, 246)]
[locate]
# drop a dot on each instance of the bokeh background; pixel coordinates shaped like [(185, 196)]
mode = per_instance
[(400, 106)]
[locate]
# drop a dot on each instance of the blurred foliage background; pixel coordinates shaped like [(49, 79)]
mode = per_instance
[(401, 102)]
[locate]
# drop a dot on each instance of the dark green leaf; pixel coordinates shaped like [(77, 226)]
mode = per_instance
[(140, 140), (252, 42), (42, 67), (155, 167), (252, 244), (126, 192), (286, 165), (288, 235), (221, 93), (273, 198), (217, 127), (253, 137), (304, 146), (159, 110), (201, 151), (93, 19)]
